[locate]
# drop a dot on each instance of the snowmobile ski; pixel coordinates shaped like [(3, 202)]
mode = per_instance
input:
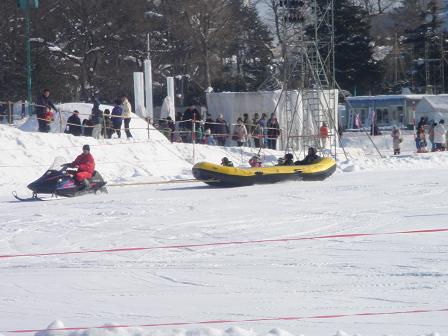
[(28, 199)]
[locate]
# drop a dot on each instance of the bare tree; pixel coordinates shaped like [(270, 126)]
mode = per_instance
[(212, 26)]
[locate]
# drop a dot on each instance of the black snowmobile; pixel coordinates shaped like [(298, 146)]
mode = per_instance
[(58, 181)]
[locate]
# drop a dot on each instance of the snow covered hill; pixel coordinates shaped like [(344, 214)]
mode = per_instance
[(362, 253)]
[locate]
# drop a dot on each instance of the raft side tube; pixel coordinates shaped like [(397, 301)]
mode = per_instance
[(217, 175)]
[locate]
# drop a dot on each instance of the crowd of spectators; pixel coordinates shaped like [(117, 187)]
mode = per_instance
[(102, 123), (435, 132), (193, 126), (257, 131)]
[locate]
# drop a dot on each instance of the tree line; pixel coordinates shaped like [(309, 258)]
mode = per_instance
[(84, 48)]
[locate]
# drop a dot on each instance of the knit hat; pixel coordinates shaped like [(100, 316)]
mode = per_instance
[(86, 147)]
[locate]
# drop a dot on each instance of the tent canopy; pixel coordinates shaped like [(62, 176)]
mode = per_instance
[(295, 120), (432, 107)]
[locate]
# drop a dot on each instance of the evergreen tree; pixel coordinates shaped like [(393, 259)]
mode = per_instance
[(12, 53), (252, 48), (425, 38), (356, 70)]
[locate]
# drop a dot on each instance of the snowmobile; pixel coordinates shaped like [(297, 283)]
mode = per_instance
[(58, 181)]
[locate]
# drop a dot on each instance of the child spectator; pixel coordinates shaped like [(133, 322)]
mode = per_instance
[(208, 138), (396, 139), (108, 127), (420, 141)]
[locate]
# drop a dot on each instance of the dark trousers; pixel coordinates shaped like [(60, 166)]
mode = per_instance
[(43, 126), (126, 127), (257, 142), (272, 143), (221, 141)]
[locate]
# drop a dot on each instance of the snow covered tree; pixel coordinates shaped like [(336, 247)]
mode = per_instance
[(222, 44), (94, 42)]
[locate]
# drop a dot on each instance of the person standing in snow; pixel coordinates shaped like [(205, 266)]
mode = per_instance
[(74, 124), (127, 114), (255, 130), (273, 131), (324, 131), (396, 140), (221, 130), (117, 120), (86, 166), (190, 114), (440, 136), (420, 140), (431, 136), (108, 127), (209, 123), (263, 130), (97, 119), (43, 105), (208, 138), (239, 133)]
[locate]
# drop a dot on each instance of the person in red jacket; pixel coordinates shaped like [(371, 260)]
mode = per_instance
[(86, 166), (323, 133)]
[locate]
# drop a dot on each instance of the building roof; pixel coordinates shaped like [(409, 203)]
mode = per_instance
[(382, 100), (437, 103), (389, 97)]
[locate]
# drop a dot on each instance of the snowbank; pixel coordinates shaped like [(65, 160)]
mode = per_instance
[(139, 127), (111, 331), (26, 154), (382, 273)]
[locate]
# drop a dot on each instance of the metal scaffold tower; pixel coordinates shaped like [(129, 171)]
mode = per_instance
[(309, 93)]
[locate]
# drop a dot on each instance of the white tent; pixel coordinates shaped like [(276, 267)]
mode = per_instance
[(432, 107), (234, 104)]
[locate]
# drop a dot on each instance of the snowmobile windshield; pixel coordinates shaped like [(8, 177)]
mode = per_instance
[(57, 163)]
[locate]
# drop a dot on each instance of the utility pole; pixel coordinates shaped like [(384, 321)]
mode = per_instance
[(442, 61), (25, 6)]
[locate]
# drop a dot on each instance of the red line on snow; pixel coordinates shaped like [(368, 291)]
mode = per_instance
[(266, 319), (243, 242)]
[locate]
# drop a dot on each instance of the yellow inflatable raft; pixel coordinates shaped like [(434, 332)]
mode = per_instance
[(217, 175)]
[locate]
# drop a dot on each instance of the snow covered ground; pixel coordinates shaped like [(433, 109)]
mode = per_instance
[(316, 279)]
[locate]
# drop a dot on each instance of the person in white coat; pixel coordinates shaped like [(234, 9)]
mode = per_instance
[(396, 140), (239, 133), (440, 136), (127, 110)]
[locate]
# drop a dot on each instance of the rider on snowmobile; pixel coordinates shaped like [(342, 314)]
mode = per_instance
[(86, 166)]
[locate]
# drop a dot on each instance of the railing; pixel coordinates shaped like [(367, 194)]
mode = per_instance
[(186, 131)]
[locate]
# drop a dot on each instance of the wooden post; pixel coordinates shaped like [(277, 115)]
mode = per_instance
[(10, 117)]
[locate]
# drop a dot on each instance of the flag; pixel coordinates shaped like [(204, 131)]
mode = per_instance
[(357, 121)]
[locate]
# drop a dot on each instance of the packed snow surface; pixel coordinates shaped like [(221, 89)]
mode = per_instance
[(346, 275)]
